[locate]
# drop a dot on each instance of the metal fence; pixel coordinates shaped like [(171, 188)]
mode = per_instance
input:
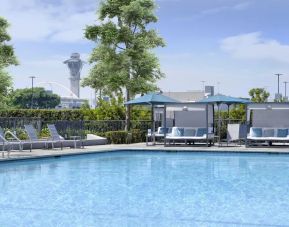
[(77, 128), (81, 128)]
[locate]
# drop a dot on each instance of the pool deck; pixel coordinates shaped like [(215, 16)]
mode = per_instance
[(40, 153)]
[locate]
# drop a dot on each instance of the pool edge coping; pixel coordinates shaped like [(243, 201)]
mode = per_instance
[(77, 153)]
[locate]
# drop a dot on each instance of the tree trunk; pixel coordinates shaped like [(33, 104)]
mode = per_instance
[(127, 112)]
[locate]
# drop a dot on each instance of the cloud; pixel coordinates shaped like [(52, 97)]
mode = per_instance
[(40, 20), (254, 46), (219, 9)]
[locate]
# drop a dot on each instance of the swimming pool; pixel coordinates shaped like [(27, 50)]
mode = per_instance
[(147, 189)]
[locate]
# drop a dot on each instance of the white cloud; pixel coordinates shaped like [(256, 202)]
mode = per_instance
[(36, 20), (219, 9), (254, 46)]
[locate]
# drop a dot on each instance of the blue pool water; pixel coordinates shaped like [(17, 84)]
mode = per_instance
[(147, 189)]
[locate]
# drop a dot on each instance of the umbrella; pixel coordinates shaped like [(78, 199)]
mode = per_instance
[(218, 99), (223, 99), (152, 99)]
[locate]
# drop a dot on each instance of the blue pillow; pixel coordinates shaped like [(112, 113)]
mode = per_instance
[(201, 132), (189, 132), (256, 132), (282, 132), (269, 132)]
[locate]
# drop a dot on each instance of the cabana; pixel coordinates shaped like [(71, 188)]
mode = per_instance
[(269, 123), (193, 123), (154, 100), (227, 100)]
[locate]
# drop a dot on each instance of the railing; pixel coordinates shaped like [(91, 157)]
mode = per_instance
[(68, 128), (78, 128)]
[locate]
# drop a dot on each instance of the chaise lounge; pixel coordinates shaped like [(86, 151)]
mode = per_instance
[(9, 144), (158, 135), (189, 135), (259, 135)]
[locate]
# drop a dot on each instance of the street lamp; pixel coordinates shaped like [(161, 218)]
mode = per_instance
[(285, 83), (278, 76), (32, 86)]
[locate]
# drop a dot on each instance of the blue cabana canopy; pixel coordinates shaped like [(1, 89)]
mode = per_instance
[(152, 99), (218, 99)]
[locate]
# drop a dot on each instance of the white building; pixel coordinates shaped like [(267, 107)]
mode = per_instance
[(70, 103)]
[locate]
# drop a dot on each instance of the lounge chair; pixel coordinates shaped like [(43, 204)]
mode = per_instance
[(236, 133), (158, 135), (260, 135), (189, 134), (9, 143), (58, 138), (33, 138)]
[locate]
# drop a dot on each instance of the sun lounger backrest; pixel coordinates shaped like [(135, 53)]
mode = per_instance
[(236, 132), (2, 135), (31, 132), (53, 132)]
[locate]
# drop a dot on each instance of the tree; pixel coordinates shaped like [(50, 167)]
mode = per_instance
[(85, 105), (7, 58), (5, 88), (21, 98), (123, 60), (259, 95)]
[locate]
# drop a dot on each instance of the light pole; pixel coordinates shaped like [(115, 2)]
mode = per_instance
[(278, 76), (285, 83), (32, 87)]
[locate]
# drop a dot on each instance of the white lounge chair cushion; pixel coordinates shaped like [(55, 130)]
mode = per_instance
[(177, 132)]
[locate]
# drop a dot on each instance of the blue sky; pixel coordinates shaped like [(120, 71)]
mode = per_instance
[(240, 44)]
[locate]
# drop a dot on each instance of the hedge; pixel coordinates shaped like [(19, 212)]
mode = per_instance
[(123, 137), (111, 113), (46, 115)]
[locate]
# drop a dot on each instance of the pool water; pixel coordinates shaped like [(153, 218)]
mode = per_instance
[(147, 189)]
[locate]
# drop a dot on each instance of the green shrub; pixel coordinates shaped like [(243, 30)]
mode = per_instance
[(44, 133), (21, 134), (123, 137), (138, 136), (117, 137)]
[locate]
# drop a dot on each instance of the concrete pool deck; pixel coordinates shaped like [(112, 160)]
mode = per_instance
[(40, 153)]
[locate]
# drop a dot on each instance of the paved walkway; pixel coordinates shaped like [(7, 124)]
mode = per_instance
[(16, 155)]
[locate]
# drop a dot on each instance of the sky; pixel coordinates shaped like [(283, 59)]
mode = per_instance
[(234, 45)]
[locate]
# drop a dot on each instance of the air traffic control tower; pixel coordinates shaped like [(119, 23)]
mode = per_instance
[(74, 65)]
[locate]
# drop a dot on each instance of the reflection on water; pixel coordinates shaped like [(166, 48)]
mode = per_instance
[(147, 188)]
